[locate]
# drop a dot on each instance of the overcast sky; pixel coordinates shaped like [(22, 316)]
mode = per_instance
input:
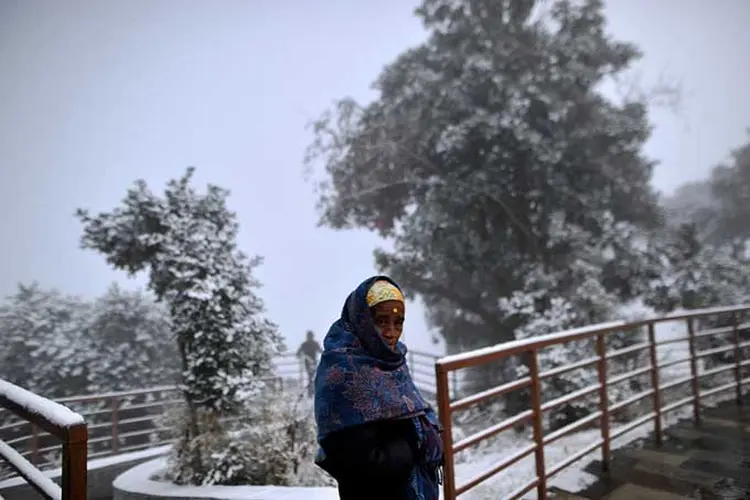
[(95, 94)]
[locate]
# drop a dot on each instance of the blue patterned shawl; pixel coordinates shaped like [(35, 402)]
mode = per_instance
[(361, 379)]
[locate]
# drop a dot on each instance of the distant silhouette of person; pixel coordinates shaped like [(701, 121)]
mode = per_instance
[(308, 351)]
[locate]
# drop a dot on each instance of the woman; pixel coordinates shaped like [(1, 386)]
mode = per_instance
[(378, 437)]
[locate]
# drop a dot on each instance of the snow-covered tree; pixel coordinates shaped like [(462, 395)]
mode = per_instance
[(187, 242), (696, 275), (730, 186), (45, 345), (119, 341), (693, 203), (131, 337), (479, 142), (717, 206)]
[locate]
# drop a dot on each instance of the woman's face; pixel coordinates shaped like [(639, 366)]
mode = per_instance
[(389, 320)]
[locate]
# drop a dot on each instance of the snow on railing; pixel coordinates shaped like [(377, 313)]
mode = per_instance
[(53, 412), (59, 421)]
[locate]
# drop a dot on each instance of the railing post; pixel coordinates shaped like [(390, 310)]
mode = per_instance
[(74, 470), (601, 352), (115, 418), (655, 382), (538, 420), (737, 357), (446, 419), (694, 371), (34, 444)]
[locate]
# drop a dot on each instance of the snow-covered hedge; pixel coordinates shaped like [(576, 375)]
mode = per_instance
[(119, 341)]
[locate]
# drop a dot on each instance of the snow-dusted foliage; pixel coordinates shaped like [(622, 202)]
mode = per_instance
[(493, 160), (575, 296), (45, 344), (122, 340), (187, 242), (718, 205), (730, 188), (132, 337), (696, 275), (273, 443)]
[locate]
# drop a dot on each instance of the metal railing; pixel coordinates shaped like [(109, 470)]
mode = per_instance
[(128, 421), (532, 384), (41, 413)]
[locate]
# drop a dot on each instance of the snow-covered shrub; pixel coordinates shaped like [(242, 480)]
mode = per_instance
[(273, 442), (121, 340), (45, 348), (699, 275)]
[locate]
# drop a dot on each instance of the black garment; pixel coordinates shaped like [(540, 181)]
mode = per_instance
[(372, 461)]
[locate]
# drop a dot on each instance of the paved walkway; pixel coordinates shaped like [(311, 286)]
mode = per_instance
[(707, 462)]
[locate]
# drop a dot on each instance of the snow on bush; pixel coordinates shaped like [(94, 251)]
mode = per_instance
[(699, 275), (273, 442), (121, 340)]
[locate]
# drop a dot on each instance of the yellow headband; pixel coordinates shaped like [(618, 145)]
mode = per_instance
[(382, 291)]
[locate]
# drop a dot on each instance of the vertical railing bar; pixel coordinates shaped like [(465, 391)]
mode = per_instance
[(694, 370), (446, 417), (655, 383), (74, 464), (115, 420), (34, 444), (737, 357), (538, 420), (454, 384), (601, 351)]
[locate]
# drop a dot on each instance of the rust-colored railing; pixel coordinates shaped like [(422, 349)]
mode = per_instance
[(59, 422), (128, 421), (530, 348)]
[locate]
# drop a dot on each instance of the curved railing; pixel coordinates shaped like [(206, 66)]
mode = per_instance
[(127, 421), (699, 381)]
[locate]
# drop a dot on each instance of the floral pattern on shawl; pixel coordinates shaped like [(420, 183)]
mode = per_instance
[(361, 379)]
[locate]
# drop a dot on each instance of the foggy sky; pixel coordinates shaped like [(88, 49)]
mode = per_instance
[(95, 94)]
